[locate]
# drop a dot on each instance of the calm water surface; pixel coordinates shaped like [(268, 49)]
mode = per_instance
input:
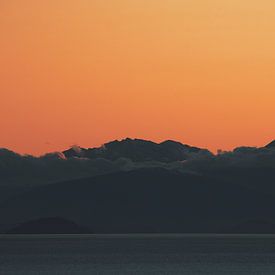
[(137, 254)]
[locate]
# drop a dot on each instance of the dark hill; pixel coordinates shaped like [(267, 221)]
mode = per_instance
[(148, 200), (50, 225), (138, 150)]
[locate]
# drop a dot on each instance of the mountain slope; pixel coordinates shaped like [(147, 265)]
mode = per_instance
[(147, 200), (270, 145)]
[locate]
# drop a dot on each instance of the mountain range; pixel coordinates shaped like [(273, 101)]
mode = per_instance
[(138, 186), (138, 150)]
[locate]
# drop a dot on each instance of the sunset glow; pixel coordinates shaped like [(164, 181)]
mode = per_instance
[(90, 71)]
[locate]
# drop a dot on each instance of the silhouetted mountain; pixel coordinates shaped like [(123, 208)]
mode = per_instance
[(19, 173), (138, 150), (52, 225), (271, 144), (146, 200), (74, 151), (141, 186)]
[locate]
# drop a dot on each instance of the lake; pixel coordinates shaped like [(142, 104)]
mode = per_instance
[(137, 254)]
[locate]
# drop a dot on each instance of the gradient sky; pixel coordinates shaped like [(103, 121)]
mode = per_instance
[(89, 71)]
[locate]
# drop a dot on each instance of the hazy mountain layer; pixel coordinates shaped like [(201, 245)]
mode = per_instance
[(146, 200)]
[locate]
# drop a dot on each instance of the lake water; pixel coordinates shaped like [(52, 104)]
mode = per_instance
[(137, 254)]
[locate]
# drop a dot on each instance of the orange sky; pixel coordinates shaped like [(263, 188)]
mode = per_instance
[(89, 71)]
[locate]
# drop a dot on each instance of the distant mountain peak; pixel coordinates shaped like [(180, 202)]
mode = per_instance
[(138, 150), (74, 151), (170, 141)]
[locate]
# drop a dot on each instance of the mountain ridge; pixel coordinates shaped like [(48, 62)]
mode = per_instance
[(138, 150)]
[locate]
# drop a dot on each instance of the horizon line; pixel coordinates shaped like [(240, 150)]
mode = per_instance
[(128, 138)]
